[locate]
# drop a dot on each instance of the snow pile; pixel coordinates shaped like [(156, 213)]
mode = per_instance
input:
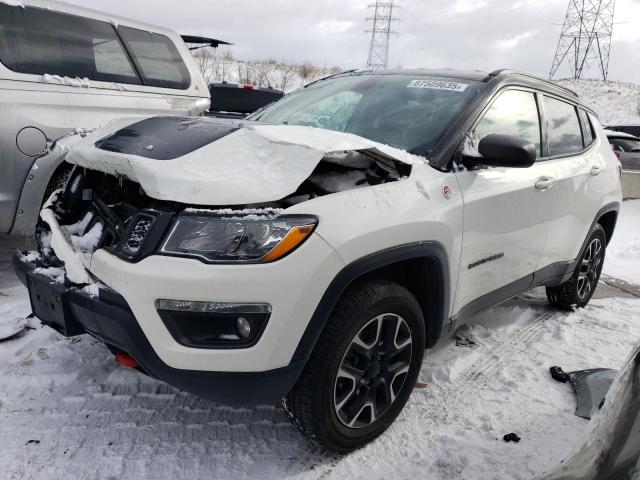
[(68, 81), (54, 273), (32, 256), (622, 258), (614, 102), (13, 3)]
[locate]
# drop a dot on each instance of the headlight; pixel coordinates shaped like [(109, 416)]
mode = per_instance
[(255, 238)]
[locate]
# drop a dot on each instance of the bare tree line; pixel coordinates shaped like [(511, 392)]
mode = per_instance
[(220, 65)]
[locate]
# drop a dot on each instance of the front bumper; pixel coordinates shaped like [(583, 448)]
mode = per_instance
[(109, 318)]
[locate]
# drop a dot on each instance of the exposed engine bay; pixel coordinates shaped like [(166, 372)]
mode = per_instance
[(133, 178), (97, 210)]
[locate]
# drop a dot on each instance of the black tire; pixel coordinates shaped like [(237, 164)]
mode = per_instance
[(364, 315), (578, 290)]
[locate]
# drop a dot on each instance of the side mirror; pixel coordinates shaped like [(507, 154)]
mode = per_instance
[(498, 150)]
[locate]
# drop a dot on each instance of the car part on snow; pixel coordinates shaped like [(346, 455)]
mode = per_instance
[(591, 387), (611, 446), (9, 329), (511, 437)]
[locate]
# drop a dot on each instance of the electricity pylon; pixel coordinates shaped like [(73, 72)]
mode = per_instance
[(380, 32), (586, 37)]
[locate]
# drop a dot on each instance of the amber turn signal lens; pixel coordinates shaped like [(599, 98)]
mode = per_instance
[(290, 242)]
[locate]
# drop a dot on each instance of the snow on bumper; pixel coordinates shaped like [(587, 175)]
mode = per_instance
[(285, 285)]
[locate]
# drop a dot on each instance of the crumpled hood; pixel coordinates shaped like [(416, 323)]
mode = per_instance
[(206, 161)]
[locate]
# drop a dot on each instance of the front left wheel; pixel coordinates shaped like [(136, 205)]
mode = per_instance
[(362, 369)]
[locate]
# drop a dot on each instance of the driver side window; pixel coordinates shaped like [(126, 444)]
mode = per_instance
[(515, 113)]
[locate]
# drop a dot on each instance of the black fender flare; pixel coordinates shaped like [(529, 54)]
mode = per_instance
[(437, 314)]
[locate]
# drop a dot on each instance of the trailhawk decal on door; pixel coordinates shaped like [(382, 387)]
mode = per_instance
[(497, 256), (438, 85)]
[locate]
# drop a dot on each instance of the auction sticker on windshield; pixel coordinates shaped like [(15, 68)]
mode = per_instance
[(438, 85)]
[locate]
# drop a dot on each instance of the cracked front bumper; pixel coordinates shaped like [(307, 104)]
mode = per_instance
[(109, 318)]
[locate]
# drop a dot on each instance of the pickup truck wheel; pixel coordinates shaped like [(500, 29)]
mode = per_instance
[(579, 289), (362, 369)]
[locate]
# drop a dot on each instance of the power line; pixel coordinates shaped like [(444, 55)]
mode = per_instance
[(380, 32), (585, 38)]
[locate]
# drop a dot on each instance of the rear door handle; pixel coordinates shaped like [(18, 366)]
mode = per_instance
[(595, 171), (545, 182)]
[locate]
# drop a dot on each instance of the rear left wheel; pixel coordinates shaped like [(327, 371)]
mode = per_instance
[(363, 368), (579, 289)]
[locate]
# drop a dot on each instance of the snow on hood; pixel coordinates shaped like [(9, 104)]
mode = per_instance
[(247, 163)]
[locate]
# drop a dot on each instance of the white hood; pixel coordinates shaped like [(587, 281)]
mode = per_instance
[(255, 163)]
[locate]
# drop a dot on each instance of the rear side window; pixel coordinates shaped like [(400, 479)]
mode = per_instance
[(587, 129), (157, 58), (514, 113), (565, 133), (42, 42)]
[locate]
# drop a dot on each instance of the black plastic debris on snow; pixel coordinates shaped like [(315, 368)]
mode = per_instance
[(511, 437), (558, 374), (464, 342)]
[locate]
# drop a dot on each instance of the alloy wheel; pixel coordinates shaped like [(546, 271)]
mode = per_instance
[(373, 370), (590, 268)]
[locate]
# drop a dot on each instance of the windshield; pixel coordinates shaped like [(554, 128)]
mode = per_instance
[(404, 111)]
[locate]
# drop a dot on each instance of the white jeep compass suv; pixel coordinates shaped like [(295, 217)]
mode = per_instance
[(314, 251)]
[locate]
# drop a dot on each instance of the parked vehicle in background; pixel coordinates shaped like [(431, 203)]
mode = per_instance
[(314, 250), (630, 128), (627, 149), (63, 68), (232, 100)]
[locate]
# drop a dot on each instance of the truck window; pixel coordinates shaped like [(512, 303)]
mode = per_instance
[(37, 41), (157, 58)]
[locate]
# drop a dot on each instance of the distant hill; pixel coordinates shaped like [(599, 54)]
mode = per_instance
[(615, 102)]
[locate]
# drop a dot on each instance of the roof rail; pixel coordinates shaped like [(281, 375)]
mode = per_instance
[(510, 71)]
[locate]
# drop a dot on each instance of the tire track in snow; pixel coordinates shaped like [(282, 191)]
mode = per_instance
[(489, 362)]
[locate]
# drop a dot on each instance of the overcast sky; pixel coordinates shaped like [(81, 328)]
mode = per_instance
[(463, 34)]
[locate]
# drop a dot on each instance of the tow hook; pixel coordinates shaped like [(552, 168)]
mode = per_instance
[(126, 360)]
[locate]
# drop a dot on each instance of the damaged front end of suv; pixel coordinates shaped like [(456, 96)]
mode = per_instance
[(212, 254), (219, 193)]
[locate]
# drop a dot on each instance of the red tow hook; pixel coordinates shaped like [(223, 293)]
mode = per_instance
[(126, 360)]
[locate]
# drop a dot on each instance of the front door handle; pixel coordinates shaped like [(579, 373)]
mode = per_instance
[(595, 171), (545, 182)]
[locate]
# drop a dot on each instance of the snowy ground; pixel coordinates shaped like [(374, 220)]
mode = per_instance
[(68, 411)]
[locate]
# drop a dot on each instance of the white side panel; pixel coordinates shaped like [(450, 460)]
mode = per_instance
[(580, 195), (385, 216), (506, 221)]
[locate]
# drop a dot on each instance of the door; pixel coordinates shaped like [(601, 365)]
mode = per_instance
[(506, 210), (582, 179)]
